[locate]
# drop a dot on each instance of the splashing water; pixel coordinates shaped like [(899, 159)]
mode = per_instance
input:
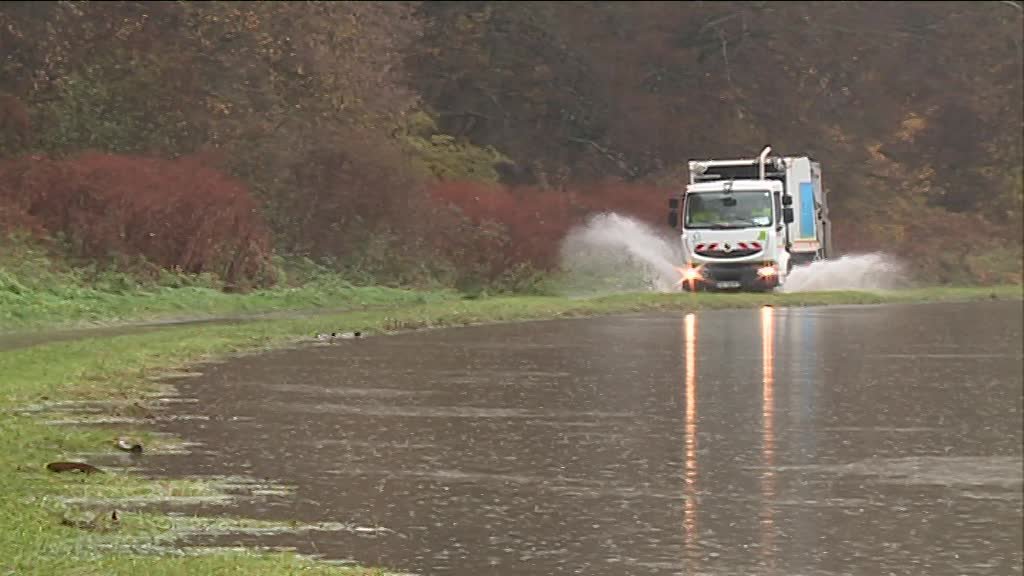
[(853, 272), (616, 253)]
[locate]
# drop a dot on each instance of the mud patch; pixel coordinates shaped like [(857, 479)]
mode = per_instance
[(175, 527), (882, 429), (380, 393), (947, 471), (131, 502), (180, 493), (87, 420), (441, 411), (95, 412), (184, 526)]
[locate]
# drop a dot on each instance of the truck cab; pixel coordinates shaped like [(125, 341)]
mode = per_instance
[(741, 225)]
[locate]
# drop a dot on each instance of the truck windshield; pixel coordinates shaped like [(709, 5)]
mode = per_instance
[(738, 209)]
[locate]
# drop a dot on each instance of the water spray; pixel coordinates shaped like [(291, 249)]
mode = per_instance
[(615, 253)]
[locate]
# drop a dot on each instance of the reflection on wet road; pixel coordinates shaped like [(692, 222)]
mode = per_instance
[(873, 440)]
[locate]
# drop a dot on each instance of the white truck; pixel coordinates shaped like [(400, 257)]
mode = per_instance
[(745, 223)]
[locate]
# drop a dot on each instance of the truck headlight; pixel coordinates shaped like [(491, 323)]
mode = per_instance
[(767, 271), (689, 275), (692, 274)]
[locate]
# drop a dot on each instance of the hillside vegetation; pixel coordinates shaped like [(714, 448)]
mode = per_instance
[(453, 144)]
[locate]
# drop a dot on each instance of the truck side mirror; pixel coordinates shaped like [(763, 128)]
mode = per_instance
[(673, 219), (673, 203), (787, 200), (787, 215)]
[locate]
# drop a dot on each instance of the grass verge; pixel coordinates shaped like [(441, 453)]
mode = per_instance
[(39, 290), (123, 370), (70, 306)]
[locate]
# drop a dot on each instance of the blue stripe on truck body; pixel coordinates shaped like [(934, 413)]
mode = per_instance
[(807, 220)]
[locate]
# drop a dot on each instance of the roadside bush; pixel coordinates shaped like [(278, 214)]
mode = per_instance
[(179, 215), (938, 246), (977, 253), (354, 205), (511, 236)]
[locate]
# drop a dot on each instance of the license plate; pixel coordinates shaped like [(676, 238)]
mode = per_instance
[(729, 284)]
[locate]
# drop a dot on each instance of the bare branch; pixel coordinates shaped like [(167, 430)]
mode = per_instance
[(717, 21), (725, 57), (1017, 5), (616, 158)]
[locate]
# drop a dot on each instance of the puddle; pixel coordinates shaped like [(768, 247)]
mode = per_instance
[(741, 442)]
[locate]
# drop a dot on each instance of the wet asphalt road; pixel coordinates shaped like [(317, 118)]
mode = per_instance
[(845, 440)]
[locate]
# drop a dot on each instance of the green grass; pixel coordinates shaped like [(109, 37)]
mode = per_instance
[(39, 290), (70, 305), (51, 308), (123, 369)]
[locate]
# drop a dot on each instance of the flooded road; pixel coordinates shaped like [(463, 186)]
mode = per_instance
[(845, 440)]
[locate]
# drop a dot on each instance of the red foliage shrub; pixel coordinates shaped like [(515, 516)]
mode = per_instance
[(175, 213), (641, 201), (532, 220), (13, 218), (535, 221)]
